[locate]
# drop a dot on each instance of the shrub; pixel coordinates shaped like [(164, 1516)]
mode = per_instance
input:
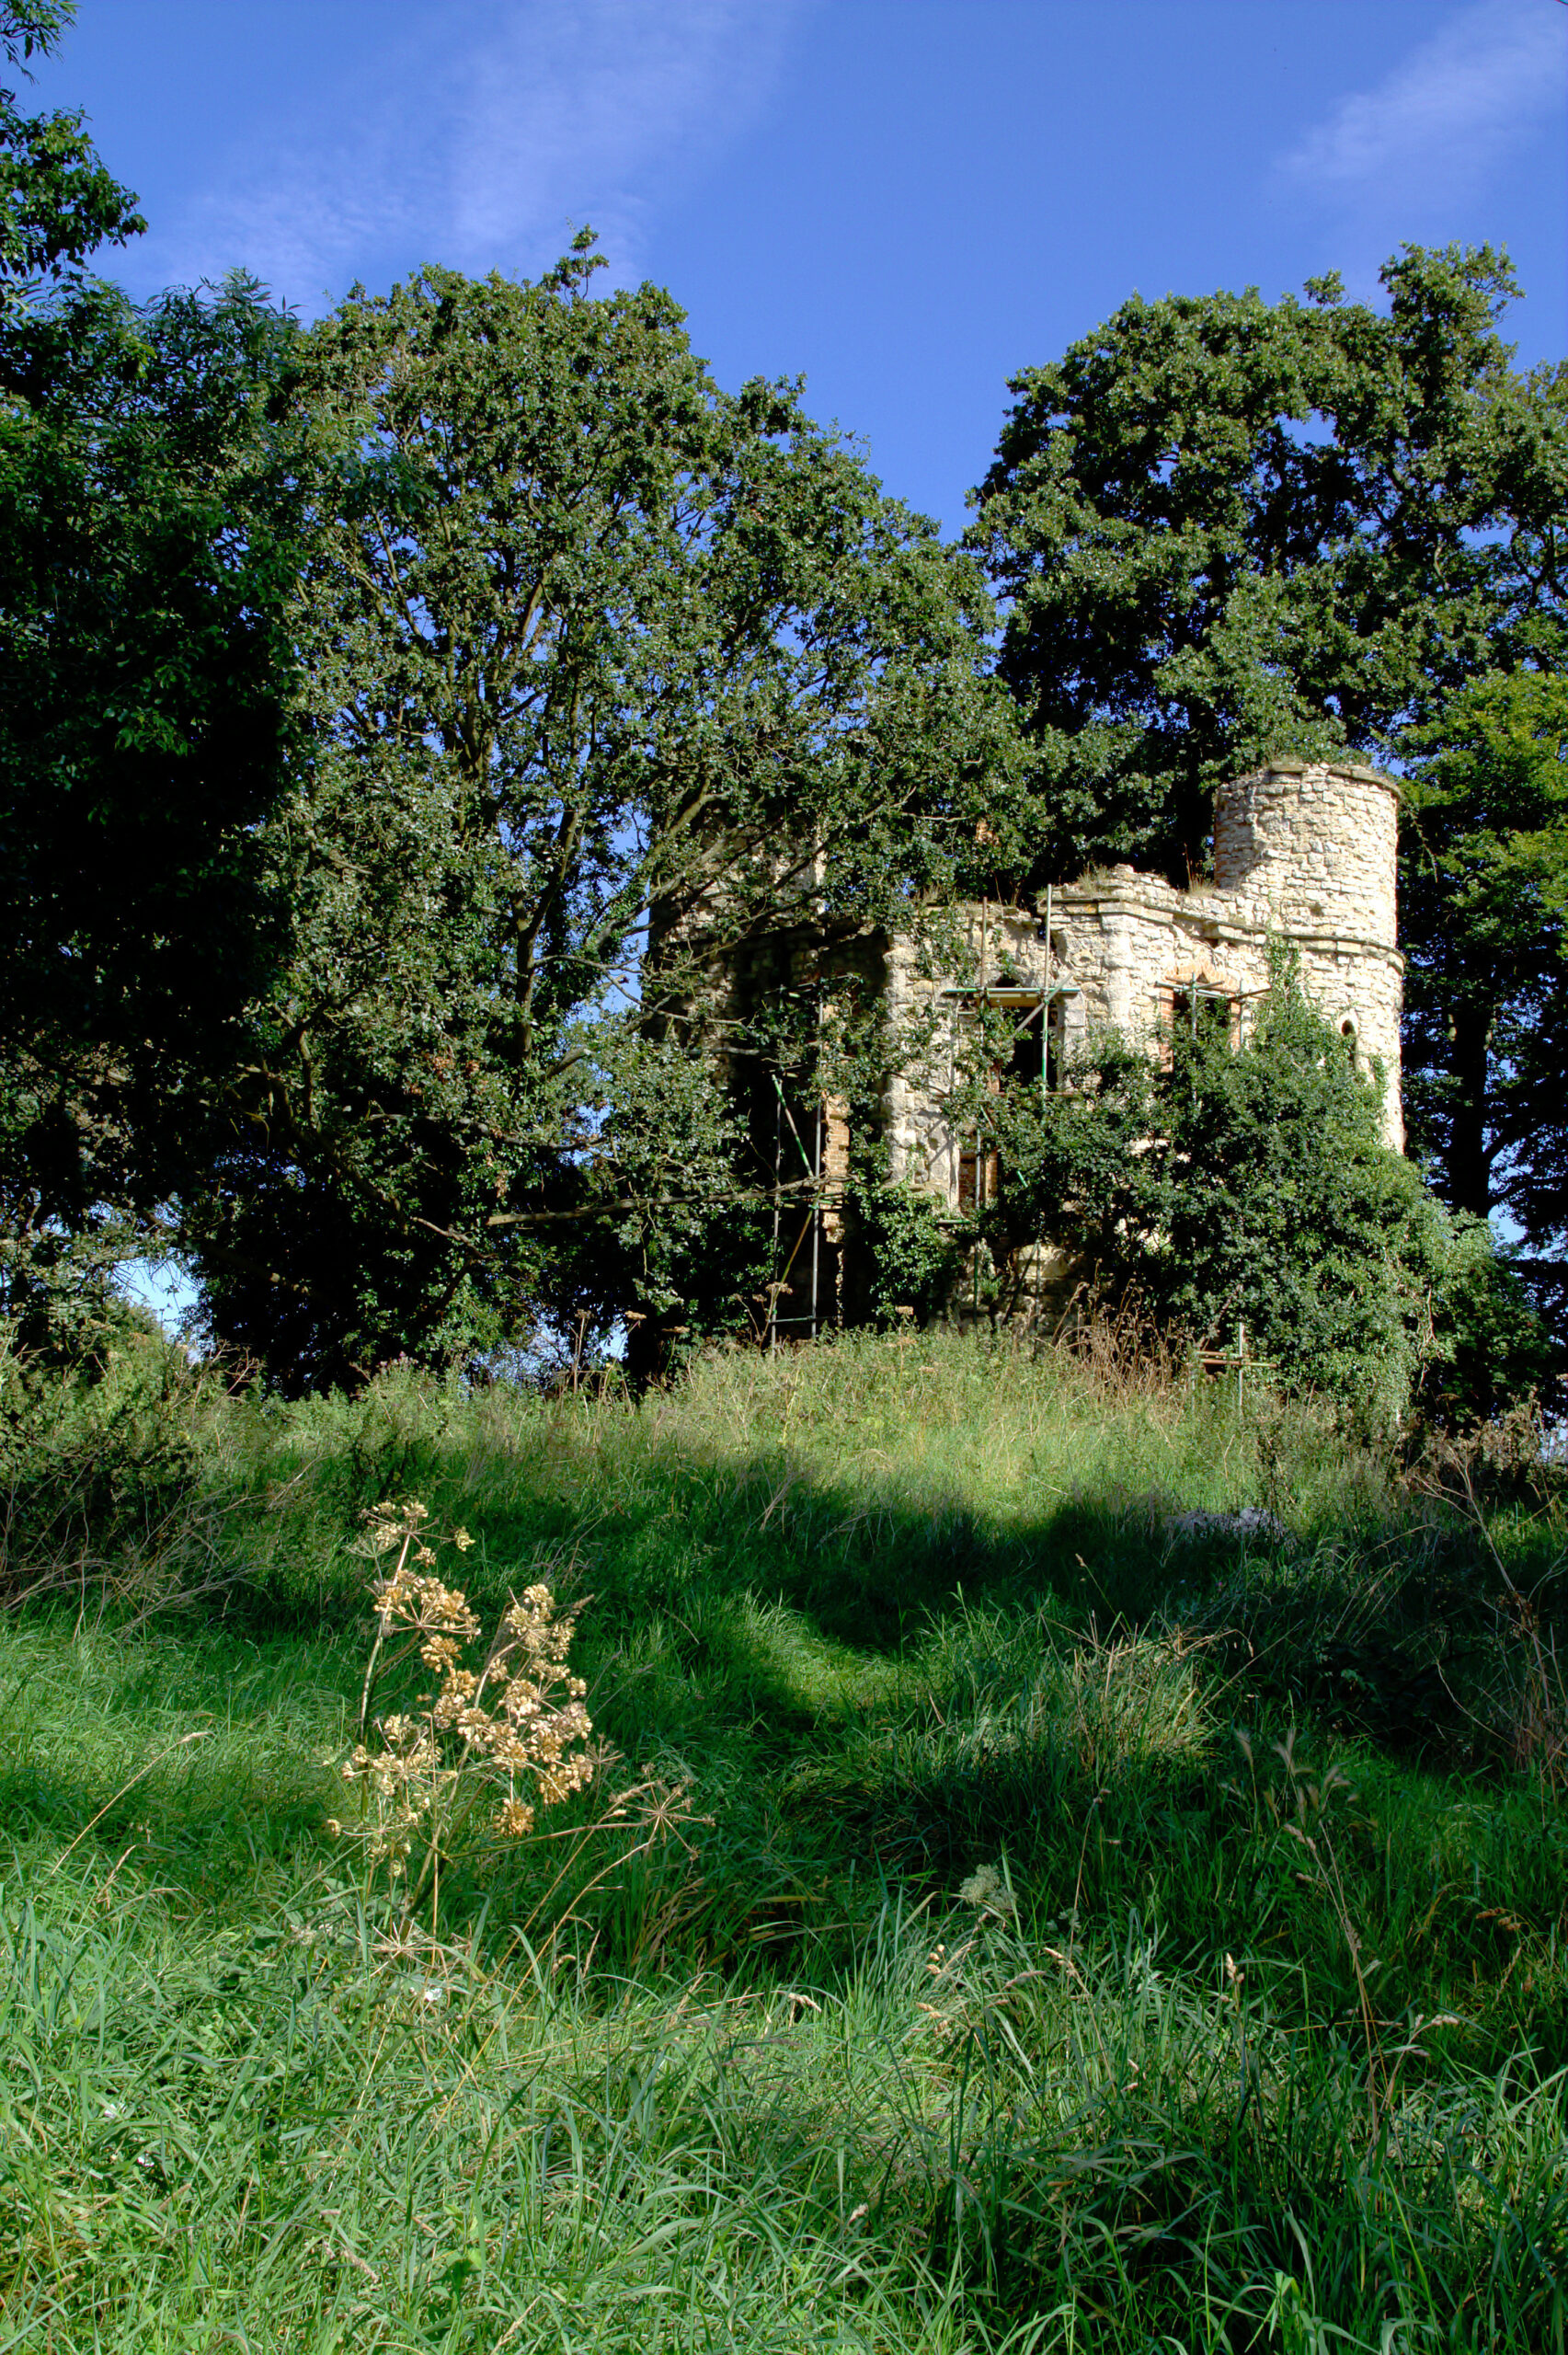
[(1251, 1188)]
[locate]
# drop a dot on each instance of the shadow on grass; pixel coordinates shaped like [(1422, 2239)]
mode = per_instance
[(781, 1589), (900, 1638), (190, 1756)]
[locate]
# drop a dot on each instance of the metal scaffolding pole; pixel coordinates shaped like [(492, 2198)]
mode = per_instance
[(817, 1218), (778, 1180)]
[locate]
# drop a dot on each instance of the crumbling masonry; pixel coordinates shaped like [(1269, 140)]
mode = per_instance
[(1304, 853)]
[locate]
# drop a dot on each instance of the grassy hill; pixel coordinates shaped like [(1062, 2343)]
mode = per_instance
[(1096, 1875)]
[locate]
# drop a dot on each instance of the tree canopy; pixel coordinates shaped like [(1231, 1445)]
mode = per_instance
[(598, 659), (58, 203), (1223, 527), (145, 552)]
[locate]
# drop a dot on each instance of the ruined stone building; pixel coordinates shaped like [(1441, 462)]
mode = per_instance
[(1304, 853)]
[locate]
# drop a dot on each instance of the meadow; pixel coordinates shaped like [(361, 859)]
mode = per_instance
[(1091, 1873)]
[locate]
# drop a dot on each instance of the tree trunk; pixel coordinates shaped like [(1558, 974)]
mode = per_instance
[(1470, 1153)]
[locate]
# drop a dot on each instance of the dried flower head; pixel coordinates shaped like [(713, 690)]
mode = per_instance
[(517, 1723)]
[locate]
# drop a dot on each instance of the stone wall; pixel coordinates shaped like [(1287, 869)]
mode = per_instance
[(1309, 848)]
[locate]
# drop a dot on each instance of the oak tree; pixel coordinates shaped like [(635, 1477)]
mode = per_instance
[(1223, 526), (608, 671)]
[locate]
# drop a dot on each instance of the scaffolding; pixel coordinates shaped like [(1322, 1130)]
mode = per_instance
[(1043, 1006), (811, 1160)]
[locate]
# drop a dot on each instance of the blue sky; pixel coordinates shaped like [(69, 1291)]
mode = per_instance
[(906, 201)]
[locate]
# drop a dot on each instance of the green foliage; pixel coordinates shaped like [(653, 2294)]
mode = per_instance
[(145, 501), (1249, 1189), (58, 1298), (1492, 1349), (599, 657), (144, 552), (1484, 896), (101, 1444), (1224, 527), (914, 1253), (57, 202), (1282, 1210)]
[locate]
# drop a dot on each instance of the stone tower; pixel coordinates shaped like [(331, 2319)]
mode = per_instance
[(1304, 858), (1307, 851), (1310, 846)]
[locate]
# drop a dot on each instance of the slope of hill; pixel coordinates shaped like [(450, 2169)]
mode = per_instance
[(1091, 1871)]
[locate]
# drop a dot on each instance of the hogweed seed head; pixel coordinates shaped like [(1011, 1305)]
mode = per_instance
[(519, 1717)]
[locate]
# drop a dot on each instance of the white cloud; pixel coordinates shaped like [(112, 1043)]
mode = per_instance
[(1436, 127), (482, 143)]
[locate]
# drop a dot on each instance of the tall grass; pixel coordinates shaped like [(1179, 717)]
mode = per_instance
[(1092, 1942), (977, 1464)]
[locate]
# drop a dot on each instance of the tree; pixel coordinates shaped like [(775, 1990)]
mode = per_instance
[(1485, 921), (1223, 527), (145, 552), (57, 201), (608, 672)]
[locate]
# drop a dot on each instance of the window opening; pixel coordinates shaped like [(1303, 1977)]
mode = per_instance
[(1199, 1010), (1203, 1011), (1032, 1056), (979, 1175), (1025, 1049)]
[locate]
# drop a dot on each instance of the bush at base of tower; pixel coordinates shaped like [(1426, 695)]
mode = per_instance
[(1249, 1191)]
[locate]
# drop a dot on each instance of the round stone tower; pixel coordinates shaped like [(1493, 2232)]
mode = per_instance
[(1305, 851), (1310, 846)]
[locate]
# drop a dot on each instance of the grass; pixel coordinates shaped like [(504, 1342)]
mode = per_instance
[(1102, 1935)]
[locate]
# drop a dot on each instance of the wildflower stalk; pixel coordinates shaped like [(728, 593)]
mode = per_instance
[(510, 1735), (383, 1618)]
